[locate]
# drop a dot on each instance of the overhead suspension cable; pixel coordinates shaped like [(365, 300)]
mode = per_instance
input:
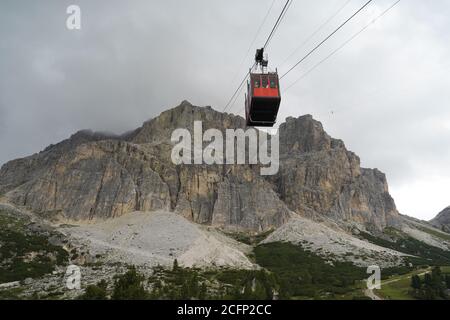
[(334, 15), (280, 18), (344, 44), (237, 90), (326, 39), (254, 40), (277, 23)]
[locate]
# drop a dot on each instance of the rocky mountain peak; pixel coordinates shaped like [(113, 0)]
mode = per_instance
[(304, 134), (442, 220), (99, 176), (81, 137), (183, 116), (297, 135)]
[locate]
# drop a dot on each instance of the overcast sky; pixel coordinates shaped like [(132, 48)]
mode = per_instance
[(386, 94)]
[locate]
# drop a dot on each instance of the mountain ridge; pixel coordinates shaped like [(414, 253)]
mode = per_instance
[(96, 175), (442, 220)]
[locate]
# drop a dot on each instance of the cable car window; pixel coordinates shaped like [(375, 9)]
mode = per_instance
[(257, 83), (265, 82), (273, 83)]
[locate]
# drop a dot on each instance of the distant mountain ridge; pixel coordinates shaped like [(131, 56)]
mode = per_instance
[(442, 220)]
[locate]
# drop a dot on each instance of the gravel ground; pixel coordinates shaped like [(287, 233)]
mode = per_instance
[(426, 238), (157, 238), (332, 242)]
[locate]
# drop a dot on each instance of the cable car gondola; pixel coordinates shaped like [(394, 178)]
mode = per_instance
[(263, 98)]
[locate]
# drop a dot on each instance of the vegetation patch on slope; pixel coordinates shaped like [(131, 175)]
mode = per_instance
[(187, 284), (433, 232), (424, 254), (423, 284), (25, 253), (304, 274)]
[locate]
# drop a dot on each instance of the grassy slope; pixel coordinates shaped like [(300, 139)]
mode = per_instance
[(425, 254), (397, 290), (24, 253), (398, 287), (436, 233), (304, 275)]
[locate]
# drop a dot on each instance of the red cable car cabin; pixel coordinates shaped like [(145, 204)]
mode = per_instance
[(263, 99)]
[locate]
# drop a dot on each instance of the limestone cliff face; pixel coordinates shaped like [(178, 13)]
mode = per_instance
[(319, 176), (93, 180), (98, 176), (442, 220)]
